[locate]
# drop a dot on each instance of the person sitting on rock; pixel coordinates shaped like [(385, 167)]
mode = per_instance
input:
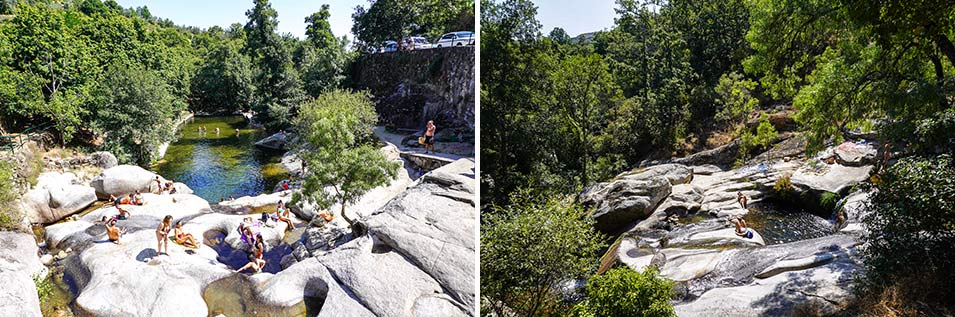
[(256, 262), (282, 214), (138, 199), (741, 229), (123, 213), (183, 238), (245, 231), (114, 232), (741, 199), (162, 232)]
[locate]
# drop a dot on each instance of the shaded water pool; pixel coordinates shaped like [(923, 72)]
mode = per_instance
[(232, 296), (782, 223), (217, 166)]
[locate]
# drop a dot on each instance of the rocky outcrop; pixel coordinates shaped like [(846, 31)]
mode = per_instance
[(432, 224), (125, 179), (55, 197), (278, 141), (18, 264), (855, 154), (834, 178), (633, 195)]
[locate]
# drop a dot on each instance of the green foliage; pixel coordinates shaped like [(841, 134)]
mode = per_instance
[(765, 136), (625, 292), (8, 195), (323, 57), (224, 82), (135, 107), (828, 201), (910, 225), (337, 129), (44, 286), (396, 19), (784, 188), (846, 63), (278, 85), (529, 248), (736, 97)]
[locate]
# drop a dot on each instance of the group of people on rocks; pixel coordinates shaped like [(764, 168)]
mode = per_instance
[(168, 187)]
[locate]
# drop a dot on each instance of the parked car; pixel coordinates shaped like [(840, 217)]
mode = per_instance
[(455, 39), (420, 43), (389, 46)]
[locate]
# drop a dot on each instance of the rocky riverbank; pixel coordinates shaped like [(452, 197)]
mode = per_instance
[(423, 230), (676, 217)]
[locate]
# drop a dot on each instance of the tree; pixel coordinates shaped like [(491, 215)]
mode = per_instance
[(529, 248), (323, 58), (337, 128), (622, 291), (224, 83), (910, 246), (395, 19), (277, 82), (847, 64), (559, 36), (136, 112)]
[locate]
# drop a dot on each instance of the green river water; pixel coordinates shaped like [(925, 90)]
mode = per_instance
[(223, 165)]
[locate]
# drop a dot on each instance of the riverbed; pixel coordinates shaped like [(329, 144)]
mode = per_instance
[(219, 165)]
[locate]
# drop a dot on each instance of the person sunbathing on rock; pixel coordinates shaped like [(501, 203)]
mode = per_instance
[(245, 231), (138, 199), (741, 229), (114, 232), (162, 232), (256, 262), (741, 199), (282, 214), (183, 238)]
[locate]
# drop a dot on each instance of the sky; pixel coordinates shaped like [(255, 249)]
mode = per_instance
[(292, 13), (575, 17)]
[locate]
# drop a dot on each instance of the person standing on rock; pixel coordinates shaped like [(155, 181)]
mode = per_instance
[(429, 137), (741, 199), (158, 185), (162, 233)]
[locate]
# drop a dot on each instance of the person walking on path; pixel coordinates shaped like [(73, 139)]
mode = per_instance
[(429, 137)]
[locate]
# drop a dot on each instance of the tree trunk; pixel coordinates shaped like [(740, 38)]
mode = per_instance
[(945, 45)]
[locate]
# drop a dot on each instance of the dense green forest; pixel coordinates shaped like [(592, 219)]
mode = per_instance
[(112, 78), (671, 78)]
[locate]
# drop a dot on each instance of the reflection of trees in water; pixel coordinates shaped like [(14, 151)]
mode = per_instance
[(219, 166)]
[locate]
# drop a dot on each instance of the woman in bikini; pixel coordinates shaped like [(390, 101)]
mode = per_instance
[(282, 214), (162, 232), (256, 262), (183, 238)]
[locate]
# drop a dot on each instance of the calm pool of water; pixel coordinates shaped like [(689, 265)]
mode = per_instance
[(780, 223), (223, 165)]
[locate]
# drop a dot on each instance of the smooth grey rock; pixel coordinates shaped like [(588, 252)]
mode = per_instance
[(433, 224), (852, 154), (626, 201), (276, 141), (18, 296), (125, 179), (55, 197), (836, 178), (103, 159), (386, 283)]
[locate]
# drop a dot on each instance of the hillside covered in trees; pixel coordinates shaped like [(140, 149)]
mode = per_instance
[(112, 78), (674, 78)]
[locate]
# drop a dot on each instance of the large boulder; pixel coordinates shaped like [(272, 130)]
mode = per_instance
[(834, 178), (55, 197), (18, 264), (855, 154), (433, 225), (124, 179), (276, 141), (103, 160), (625, 201), (387, 283), (286, 289)]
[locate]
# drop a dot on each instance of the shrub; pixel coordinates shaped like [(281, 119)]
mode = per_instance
[(8, 194), (625, 292), (828, 201), (784, 188), (529, 248), (910, 231), (764, 137)]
